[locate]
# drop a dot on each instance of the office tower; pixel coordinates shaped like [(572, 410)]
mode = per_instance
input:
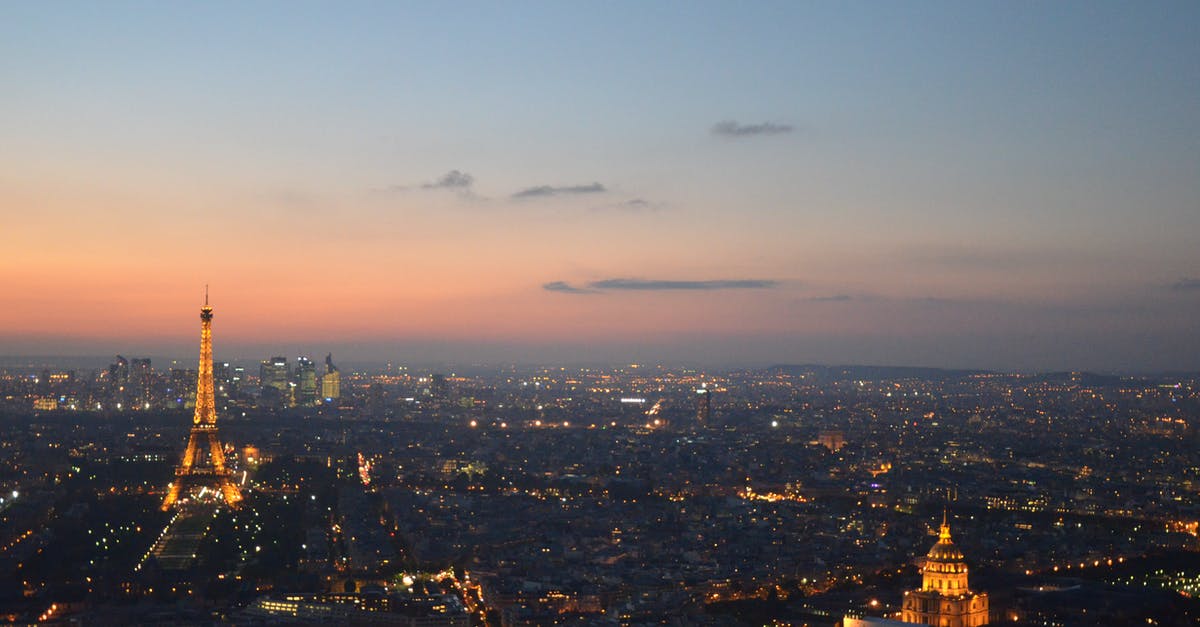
[(274, 384), (236, 381), (118, 379), (182, 387), (438, 388), (223, 379), (306, 382), (331, 383), (141, 383), (703, 405)]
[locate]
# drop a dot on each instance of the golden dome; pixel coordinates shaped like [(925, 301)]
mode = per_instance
[(944, 550), (945, 597)]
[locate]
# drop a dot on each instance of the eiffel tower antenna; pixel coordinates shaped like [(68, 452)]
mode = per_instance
[(196, 467)]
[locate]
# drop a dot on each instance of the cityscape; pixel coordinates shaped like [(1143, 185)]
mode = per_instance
[(632, 495), (616, 314)]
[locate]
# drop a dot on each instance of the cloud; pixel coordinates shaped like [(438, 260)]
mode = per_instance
[(942, 301), (565, 288), (635, 205), (542, 191), (453, 179), (835, 298), (1186, 285), (730, 128), (651, 285), (659, 285)]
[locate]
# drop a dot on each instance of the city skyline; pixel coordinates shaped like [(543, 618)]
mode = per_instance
[(967, 186), (603, 496)]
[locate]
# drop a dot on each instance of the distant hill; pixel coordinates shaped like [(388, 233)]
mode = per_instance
[(873, 373), (1083, 379), (823, 373), (38, 362)]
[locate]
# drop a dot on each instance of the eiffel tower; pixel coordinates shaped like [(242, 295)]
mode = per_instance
[(196, 468)]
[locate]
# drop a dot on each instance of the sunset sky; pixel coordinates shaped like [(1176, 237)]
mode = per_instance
[(1008, 185)]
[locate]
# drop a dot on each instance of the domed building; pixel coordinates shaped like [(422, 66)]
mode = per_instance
[(945, 599)]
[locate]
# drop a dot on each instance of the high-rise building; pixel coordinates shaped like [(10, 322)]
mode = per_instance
[(118, 379), (275, 390), (222, 378), (197, 467), (237, 380), (331, 382), (438, 389), (182, 387), (306, 382), (703, 405), (945, 599), (141, 383)]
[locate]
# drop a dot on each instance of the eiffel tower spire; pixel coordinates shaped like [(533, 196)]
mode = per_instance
[(196, 467)]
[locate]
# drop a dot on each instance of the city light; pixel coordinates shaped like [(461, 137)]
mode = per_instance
[(945, 252)]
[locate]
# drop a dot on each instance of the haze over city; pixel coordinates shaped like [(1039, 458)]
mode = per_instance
[(600, 314), (985, 185)]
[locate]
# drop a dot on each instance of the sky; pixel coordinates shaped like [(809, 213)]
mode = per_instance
[(1002, 185)]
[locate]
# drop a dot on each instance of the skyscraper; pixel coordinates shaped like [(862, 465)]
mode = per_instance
[(703, 405), (182, 387), (236, 381), (331, 383), (273, 382), (141, 383), (438, 388), (118, 379), (306, 382), (222, 375)]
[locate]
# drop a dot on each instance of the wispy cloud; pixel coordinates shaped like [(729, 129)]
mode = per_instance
[(938, 301), (1186, 285), (542, 191), (635, 205), (453, 179), (835, 298), (565, 288), (730, 128), (655, 285)]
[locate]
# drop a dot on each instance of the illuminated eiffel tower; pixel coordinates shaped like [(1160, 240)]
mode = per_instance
[(196, 468)]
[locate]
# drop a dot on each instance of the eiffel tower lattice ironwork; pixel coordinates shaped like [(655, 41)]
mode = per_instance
[(197, 468)]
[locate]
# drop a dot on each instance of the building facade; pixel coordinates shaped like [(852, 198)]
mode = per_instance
[(331, 383), (306, 382), (274, 388), (945, 598)]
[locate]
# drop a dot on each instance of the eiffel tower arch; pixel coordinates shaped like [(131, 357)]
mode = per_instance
[(203, 463)]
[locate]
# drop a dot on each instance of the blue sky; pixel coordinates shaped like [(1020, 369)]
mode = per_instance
[(962, 184)]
